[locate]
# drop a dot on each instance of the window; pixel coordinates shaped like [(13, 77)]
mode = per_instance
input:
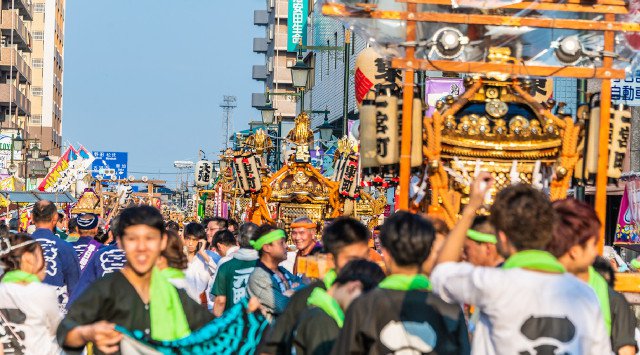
[(36, 90), (38, 36), (37, 63), (38, 8), (35, 120)]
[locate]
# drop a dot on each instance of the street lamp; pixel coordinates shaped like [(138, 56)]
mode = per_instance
[(268, 112), (46, 162), (18, 142), (325, 129), (300, 73), (35, 151)]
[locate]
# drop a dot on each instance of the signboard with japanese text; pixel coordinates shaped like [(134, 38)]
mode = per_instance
[(627, 91), (297, 29), (349, 177), (5, 152), (110, 164), (204, 173)]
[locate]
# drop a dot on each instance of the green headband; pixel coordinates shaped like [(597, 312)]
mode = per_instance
[(268, 238), (481, 237)]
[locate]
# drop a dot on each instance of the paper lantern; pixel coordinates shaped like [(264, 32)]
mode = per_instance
[(387, 130), (368, 134)]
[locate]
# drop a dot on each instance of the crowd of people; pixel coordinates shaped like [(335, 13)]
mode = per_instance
[(526, 279)]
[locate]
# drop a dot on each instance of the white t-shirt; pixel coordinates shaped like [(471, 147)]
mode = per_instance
[(184, 285), (197, 276), (32, 312), (525, 312)]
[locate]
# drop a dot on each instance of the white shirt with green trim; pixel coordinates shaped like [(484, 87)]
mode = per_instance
[(525, 312)]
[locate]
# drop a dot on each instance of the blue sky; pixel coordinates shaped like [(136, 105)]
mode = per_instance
[(147, 77)]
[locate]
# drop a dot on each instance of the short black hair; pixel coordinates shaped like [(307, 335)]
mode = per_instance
[(14, 224), (263, 230), (173, 225), (344, 231), (113, 226), (60, 216), (222, 222), (368, 273), (525, 215), (139, 215), (196, 230), (224, 237), (408, 238), (482, 224), (232, 222), (246, 233), (43, 211), (604, 268), (73, 225)]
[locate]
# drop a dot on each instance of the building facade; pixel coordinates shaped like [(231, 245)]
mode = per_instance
[(47, 61), (326, 84), (15, 64), (274, 72)]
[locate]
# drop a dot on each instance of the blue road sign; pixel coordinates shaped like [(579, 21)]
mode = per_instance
[(110, 164)]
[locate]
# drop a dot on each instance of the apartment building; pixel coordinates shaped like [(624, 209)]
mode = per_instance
[(274, 72), (47, 62), (15, 65)]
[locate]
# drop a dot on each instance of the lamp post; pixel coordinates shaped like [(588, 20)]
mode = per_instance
[(347, 61), (300, 76)]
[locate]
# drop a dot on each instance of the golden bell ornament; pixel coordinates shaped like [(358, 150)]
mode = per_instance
[(433, 166), (561, 172)]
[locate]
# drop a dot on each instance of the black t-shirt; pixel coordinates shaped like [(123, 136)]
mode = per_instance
[(315, 333), (623, 321), (113, 299), (385, 321), (278, 339)]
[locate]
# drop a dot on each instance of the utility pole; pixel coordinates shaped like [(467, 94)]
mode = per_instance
[(228, 105)]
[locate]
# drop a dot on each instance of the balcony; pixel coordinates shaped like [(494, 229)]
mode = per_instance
[(259, 72), (19, 100), (21, 36), (260, 18), (20, 67), (258, 100), (282, 9), (260, 45), (26, 9), (281, 42)]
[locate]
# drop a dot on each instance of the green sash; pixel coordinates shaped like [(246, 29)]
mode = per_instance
[(16, 276), (600, 286), (534, 260), (168, 321), (329, 278), (406, 282), (321, 299), (172, 273)]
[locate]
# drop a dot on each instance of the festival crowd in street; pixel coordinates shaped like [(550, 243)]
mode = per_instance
[(524, 279)]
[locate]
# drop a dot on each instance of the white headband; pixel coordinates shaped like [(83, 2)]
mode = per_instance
[(6, 247)]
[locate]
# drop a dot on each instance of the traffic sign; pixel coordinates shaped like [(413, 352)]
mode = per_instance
[(110, 164)]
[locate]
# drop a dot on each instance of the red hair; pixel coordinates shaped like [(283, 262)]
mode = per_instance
[(577, 223)]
